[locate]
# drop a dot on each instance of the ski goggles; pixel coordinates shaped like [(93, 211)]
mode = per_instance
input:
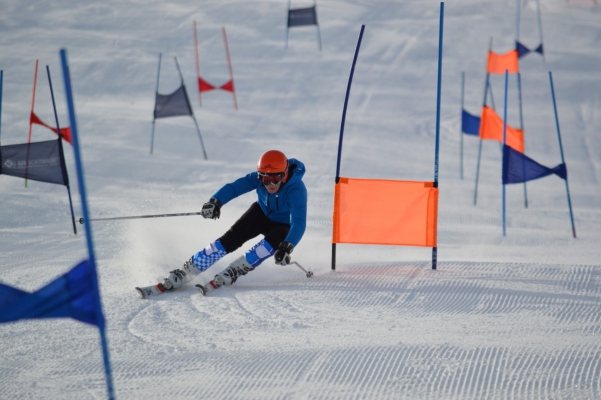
[(271, 179)]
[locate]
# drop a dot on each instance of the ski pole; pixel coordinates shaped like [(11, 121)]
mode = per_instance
[(309, 273), (81, 220)]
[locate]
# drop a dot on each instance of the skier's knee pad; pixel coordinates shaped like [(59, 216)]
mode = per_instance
[(209, 255), (259, 253)]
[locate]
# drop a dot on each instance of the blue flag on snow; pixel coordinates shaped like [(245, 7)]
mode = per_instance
[(72, 295), (172, 105), (518, 168), (470, 124), (38, 161), (302, 16), (523, 50)]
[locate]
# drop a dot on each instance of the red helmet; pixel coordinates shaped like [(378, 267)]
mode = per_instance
[(272, 167), (272, 162)]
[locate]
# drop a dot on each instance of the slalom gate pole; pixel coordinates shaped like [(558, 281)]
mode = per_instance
[(561, 151), (492, 97), (197, 63), (517, 20), (61, 151), (155, 104), (317, 23), (35, 82), (202, 144), (461, 126), (1, 79), (91, 258), (438, 96), (179, 71), (519, 76), (348, 92), (181, 77), (486, 86), (287, 24), (82, 220), (477, 171), (504, 141), (229, 64), (540, 30)]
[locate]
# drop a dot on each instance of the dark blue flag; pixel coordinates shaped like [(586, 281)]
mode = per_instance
[(470, 124), (302, 16), (523, 50), (518, 168), (38, 161), (72, 295), (172, 105)]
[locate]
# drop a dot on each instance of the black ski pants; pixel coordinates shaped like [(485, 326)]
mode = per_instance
[(251, 224)]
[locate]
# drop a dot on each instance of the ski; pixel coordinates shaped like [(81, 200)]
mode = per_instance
[(217, 282), (209, 287), (147, 291), (202, 289)]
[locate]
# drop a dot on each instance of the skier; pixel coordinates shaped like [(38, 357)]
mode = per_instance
[(279, 214)]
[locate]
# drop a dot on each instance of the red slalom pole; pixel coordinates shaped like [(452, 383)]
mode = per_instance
[(35, 81), (229, 63), (197, 64)]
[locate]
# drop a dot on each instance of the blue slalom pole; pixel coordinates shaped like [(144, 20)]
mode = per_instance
[(155, 96), (486, 87), (317, 23), (504, 140), (181, 77), (522, 127), (348, 92), (1, 79), (477, 171), (60, 147), (461, 127), (540, 30), (561, 151), (88, 227), (517, 21), (287, 24), (438, 95)]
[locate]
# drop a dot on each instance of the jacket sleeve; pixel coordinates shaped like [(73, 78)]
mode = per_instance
[(237, 188), (298, 215)]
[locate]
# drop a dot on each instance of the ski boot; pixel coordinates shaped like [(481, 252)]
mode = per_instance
[(178, 277), (228, 276)]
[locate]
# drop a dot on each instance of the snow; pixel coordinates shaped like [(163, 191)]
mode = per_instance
[(502, 317)]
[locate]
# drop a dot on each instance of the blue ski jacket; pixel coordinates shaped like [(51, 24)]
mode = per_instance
[(287, 206)]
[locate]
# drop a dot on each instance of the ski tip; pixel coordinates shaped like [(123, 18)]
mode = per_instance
[(140, 293), (202, 289)]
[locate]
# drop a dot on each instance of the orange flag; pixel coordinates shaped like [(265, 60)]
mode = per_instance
[(204, 86), (65, 132), (498, 63), (386, 212), (491, 128)]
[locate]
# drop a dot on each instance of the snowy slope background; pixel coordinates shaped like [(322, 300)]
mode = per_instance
[(502, 317)]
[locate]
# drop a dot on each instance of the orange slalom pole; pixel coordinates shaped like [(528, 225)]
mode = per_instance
[(197, 64), (229, 63), (35, 81)]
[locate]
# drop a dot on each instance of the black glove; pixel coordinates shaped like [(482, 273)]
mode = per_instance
[(282, 254), (211, 209)]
